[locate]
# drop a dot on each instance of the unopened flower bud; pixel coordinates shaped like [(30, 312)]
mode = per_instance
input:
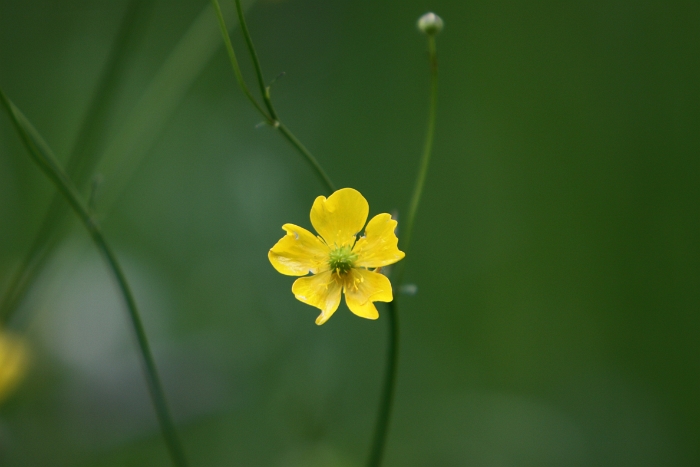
[(430, 24)]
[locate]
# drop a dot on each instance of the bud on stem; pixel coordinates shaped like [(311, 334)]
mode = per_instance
[(430, 24)]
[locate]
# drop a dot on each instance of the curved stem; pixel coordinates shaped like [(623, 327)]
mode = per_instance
[(387, 397), (309, 157), (234, 61), (264, 90), (427, 150), (45, 159), (270, 118)]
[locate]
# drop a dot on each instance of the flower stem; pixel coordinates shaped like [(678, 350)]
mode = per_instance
[(47, 162), (320, 173), (387, 396), (427, 151), (264, 90), (381, 428), (271, 114), (234, 61)]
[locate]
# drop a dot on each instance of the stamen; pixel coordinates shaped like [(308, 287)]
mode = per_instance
[(342, 259)]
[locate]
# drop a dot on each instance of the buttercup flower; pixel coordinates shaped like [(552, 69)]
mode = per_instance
[(338, 260)]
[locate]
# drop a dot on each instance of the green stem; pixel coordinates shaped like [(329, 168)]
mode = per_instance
[(234, 61), (309, 157), (387, 397), (82, 161), (270, 117), (45, 159), (427, 150), (264, 90), (381, 428)]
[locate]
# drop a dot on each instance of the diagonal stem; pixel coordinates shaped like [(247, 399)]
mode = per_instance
[(320, 173), (264, 90), (234, 61), (271, 114), (45, 159), (82, 160)]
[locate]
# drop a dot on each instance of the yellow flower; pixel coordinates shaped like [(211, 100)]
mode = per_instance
[(337, 258), (13, 362)]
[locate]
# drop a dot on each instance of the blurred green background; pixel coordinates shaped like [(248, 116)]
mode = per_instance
[(556, 250)]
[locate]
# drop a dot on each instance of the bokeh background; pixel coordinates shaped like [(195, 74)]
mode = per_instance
[(556, 253)]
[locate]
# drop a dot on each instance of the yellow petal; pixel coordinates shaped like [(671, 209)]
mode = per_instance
[(379, 246), (13, 362), (322, 291), (299, 252), (362, 287), (341, 216)]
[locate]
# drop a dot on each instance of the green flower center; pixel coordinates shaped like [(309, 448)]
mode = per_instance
[(342, 259)]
